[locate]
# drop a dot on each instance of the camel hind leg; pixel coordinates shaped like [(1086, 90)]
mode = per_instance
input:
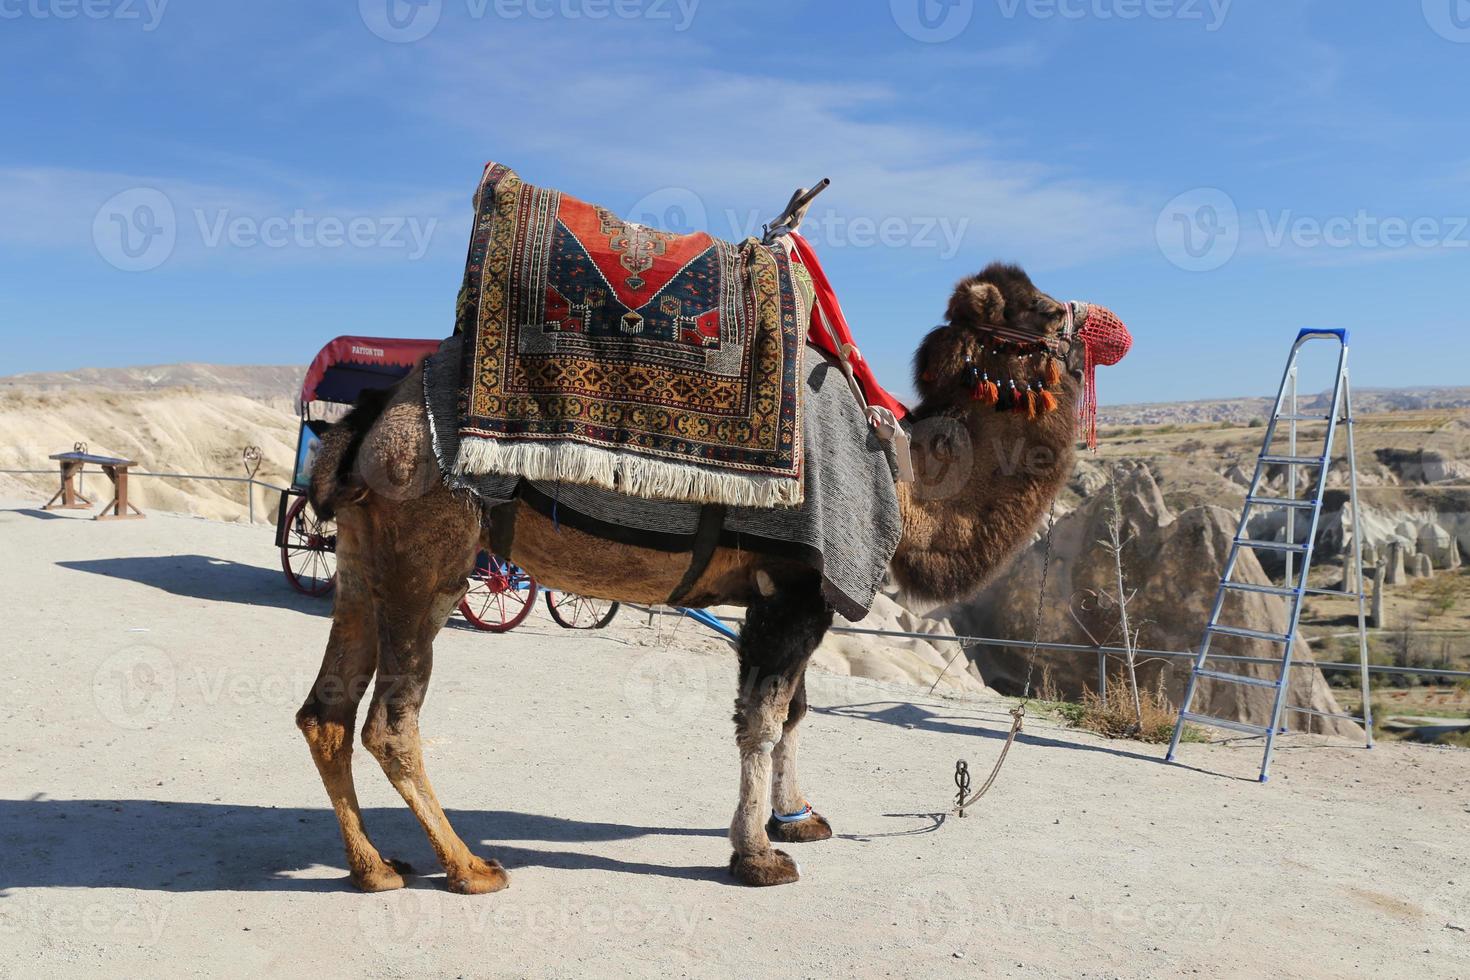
[(329, 715), (428, 552), (782, 629), (793, 821)]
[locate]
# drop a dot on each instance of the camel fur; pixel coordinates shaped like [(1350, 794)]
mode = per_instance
[(407, 543)]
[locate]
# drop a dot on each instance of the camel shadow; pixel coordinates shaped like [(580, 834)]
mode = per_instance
[(905, 714), (203, 577), (908, 715), (157, 845)]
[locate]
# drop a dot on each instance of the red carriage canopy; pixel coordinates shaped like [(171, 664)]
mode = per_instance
[(348, 366)]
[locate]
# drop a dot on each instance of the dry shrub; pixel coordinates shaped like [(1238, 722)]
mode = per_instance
[(1116, 718)]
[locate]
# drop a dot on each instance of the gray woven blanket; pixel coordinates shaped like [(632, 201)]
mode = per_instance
[(847, 529)]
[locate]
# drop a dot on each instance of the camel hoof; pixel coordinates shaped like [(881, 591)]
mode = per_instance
[(759, 870), (805, 831), (384, 878), (480, 878)]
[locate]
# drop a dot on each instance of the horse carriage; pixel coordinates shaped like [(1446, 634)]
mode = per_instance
[(500, 594)]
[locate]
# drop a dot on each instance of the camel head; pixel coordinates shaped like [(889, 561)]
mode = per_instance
[(1006, 345), (1004, 384), (1011, 347)]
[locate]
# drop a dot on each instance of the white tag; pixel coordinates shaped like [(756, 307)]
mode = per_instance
[(891, 432)]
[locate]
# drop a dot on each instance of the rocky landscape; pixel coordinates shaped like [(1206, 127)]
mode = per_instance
[(1242, 411), (1180, 481)]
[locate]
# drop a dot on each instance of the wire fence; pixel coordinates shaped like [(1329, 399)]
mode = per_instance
[(1103, 652), (1100, 652), (251, 482)]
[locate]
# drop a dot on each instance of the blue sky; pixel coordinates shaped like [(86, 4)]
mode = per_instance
[(240, 182)]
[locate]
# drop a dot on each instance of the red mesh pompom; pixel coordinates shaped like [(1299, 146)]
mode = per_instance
[(1104, 335), (1105, 341)]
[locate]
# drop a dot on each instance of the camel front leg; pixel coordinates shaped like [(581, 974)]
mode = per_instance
[(329, 714), (793, 821), (391, 734), (782, 629)]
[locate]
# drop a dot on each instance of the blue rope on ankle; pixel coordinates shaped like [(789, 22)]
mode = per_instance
[(796, 817)]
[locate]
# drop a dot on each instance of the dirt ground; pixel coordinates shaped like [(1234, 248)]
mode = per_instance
[(159, 812)]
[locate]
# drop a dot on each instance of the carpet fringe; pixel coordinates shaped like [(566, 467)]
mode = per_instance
[(622, 472)]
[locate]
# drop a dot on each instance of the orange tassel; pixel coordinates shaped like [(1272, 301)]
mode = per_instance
[(1031, 403), (985, 391), (1018, 399), (1053, 373), (1048, 401)]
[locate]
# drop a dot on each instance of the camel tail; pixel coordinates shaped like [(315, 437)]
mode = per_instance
[(334, 478)]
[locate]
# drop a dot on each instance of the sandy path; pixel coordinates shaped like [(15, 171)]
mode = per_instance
[(159, 812)]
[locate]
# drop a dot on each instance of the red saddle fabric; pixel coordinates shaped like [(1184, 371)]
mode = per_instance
[(825, 305)]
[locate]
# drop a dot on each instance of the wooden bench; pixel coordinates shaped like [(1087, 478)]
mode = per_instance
[(71, 498)]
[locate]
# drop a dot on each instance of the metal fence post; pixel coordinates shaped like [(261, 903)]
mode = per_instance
[(251, 457), (1102, 676)]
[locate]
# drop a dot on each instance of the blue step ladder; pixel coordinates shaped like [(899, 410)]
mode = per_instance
[(1296, 587)]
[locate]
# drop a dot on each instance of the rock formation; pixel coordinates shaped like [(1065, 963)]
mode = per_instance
[(1174, 563), (1395, 561), (1439, 545), (1380, 576)]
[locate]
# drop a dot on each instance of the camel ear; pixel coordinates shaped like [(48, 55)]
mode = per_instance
[(976, 303)]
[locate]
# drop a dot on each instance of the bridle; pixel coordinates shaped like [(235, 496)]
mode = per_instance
[(1059, 346)]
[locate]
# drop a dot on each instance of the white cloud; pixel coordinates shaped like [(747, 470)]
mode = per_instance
[(283, 218), (642, 122)]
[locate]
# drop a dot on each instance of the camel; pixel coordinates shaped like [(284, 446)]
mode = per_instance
[(407, 543)]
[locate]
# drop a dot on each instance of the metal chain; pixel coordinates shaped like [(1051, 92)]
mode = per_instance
[(1051, 523), (1018, 713)]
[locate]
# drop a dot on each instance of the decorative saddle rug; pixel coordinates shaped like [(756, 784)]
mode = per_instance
[(599, 351), (847, 528)]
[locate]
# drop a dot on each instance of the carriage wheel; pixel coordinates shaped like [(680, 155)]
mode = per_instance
[(500, 596), (580, 612), (309, 555)]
